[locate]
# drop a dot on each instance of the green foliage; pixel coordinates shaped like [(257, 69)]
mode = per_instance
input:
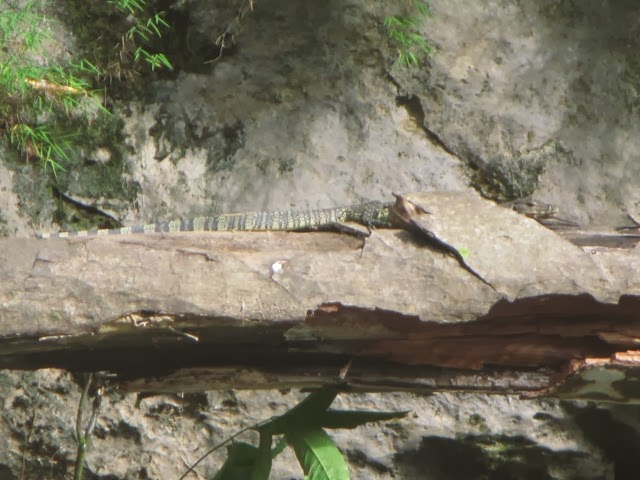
[(40, 141), (35, 100), (40, 101), (318, 455), (302, 428), (404, 32), (241, 458), (146, 26)]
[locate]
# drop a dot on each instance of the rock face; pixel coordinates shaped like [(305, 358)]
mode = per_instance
[(306, 109), (445, 435), (516, 89), (254, 133)]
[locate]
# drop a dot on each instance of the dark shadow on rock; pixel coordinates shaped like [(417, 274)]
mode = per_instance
[(484, 457), (619, 441)]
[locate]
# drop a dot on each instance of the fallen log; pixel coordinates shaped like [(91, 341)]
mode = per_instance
[(466, 296)]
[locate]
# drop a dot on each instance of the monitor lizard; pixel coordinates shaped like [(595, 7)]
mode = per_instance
[(369, 214)]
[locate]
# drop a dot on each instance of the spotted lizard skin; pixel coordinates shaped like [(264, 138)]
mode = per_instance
[(370, 214)]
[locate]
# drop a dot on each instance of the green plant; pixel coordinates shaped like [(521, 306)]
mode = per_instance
[(41, 102), (142, 31), (35, 100), (41, 142), (404, 32), (303, 429)]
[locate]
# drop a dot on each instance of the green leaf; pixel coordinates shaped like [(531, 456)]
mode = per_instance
[(160, 21), (158, 60), (152, 25), (399, 36), (410, 22), (142, 31), (307, 412), (422, 8), (392, 22), (86, 66), (140, 52), (164, 60), (241, 458), (404, 31), (418, 39), (354, 418), (127, 5), (262, 465), (318, 455)]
